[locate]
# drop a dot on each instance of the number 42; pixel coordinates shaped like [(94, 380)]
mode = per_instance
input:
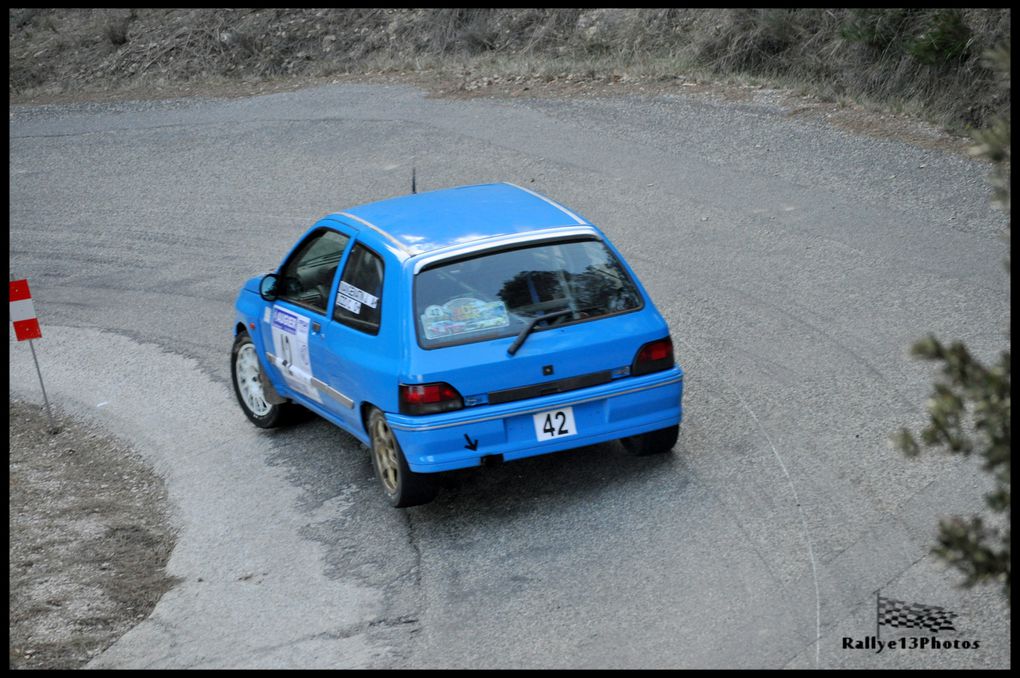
[(550, 429)]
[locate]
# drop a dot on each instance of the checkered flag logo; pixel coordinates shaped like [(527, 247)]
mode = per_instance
[(911, 615)]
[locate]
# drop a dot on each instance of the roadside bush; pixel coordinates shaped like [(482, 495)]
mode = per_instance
[(946, 39), (116, 30), (919, 59)]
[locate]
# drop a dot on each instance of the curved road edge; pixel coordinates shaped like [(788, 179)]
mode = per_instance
[(241, 603)]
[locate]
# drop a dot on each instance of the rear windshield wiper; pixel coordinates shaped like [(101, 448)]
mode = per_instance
[(519, 341)]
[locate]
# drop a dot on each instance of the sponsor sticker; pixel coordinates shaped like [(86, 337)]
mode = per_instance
[(359, 295), (352, 305), (463, 315), (290, 344)]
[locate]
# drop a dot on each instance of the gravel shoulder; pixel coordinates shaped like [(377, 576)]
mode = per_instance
[(853, 117), (89, 540)]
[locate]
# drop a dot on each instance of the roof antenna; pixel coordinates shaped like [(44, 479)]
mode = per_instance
[(414, 186)]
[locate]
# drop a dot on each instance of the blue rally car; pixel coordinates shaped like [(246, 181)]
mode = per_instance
[(458, 327)]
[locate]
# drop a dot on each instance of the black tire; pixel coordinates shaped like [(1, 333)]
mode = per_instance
[(402, 486), (276, 415), (654, 442)]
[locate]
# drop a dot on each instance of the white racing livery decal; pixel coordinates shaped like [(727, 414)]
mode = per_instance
[(352, 298), (290, 343)]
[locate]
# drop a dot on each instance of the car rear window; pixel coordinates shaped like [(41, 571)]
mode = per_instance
[(497, 295)]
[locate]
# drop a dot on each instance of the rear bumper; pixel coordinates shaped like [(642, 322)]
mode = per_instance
[(622, 408)]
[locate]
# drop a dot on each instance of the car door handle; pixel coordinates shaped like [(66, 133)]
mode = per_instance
[(316, 327)]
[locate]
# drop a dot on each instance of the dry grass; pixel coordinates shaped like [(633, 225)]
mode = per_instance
[(927, 60)]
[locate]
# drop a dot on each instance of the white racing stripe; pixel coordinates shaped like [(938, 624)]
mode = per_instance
[(551, 202)]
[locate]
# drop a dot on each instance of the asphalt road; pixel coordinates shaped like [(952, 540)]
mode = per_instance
[(795, 263)]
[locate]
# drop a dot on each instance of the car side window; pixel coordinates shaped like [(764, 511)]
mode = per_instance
[(306, 277), (359, 295)]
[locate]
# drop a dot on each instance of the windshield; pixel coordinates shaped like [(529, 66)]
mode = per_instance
[(498, 295)]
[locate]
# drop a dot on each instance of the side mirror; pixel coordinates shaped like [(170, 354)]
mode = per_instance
[(267, 288)]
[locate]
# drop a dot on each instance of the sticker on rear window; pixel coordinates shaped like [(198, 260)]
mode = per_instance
[(358, 295), (463, 315), (352, 305)]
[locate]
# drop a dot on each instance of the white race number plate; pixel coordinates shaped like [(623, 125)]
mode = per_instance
[(555, 424)]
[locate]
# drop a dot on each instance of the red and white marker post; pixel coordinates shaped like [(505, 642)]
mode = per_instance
[(26, 328)]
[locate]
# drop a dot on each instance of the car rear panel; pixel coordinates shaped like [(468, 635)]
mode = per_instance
[(552, 360), (624, 407)]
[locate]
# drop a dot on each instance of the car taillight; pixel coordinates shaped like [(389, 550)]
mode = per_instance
[(654, 356), (429, 398)]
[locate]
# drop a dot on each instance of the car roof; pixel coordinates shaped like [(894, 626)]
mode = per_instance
[(424, 222)]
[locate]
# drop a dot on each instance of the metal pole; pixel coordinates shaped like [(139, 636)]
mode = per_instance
[(53, 426)]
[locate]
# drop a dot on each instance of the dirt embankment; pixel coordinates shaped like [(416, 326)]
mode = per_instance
[(89, 540), (927, 62)]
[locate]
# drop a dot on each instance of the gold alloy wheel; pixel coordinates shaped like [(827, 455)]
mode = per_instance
[(384, 447)]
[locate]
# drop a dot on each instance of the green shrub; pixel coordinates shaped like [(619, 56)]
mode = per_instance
[(947, 38), (879, 29)]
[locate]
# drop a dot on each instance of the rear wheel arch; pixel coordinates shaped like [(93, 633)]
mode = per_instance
[(366, 411), (402, 486)]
